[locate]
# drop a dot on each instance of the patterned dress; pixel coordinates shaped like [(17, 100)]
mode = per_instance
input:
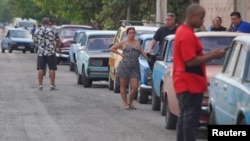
[(129, 65)]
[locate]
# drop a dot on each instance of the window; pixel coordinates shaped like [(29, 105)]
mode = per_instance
[(233, 57), (240, 63), (170, 52)]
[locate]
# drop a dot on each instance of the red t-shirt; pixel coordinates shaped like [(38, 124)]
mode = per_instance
[(186, 47)]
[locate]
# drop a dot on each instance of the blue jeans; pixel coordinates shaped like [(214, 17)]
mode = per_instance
[(188, 120)]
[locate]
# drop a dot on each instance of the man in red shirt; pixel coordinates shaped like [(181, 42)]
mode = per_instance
[(189, 76)]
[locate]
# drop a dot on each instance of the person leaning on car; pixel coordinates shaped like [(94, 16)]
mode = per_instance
[(163, 31), (47, 38), (189, 74)]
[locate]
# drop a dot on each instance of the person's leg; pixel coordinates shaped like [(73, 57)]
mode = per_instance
[(123, 91), (134, 84), (181, 98), (52, 68), (40, 71), (192, 116)]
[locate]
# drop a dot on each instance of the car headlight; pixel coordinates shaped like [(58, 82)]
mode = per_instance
[(149, 77), (95, 62)]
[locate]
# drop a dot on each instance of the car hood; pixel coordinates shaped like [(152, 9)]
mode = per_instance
[(213, 70), (98, 54), (21, 39), (64, 40)]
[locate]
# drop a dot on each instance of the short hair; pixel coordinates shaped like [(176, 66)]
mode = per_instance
[(218, 17), (236, 13), (171, 15), (46, 21)]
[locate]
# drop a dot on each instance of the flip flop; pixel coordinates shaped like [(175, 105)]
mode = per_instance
[(132, 107), (127, 107)]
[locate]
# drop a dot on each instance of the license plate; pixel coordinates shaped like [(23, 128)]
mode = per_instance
[(21, 47)]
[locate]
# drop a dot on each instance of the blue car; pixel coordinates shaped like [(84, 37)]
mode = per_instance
[(229, 91), (92, 57), (78, 37), (17, 39), (145, 71)]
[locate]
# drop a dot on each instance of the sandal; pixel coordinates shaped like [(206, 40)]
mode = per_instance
[(132, 107), (127, 107)]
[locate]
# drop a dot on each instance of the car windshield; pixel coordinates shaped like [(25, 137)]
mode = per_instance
[(26, 24), (69, 32), (99, 42), (212, 43), (19, 34), (138, 33), (146, 46)]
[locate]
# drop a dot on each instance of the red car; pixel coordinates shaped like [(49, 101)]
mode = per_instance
[(66, 35)]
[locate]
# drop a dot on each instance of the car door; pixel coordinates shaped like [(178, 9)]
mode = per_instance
[(228, 86), (5, 40)]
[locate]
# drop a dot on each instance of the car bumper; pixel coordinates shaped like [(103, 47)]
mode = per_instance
[(98, 72), (145, 89)]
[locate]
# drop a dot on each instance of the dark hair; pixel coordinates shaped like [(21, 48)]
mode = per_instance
[(130, 28), (236, 13), (45, 20), (218, 17)]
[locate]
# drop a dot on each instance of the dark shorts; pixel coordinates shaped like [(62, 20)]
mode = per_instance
[(43, 60)]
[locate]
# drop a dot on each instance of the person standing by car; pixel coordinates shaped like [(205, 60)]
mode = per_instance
[(47, 38), (128, 70), (163, 31), (217, 25), (189, 74)]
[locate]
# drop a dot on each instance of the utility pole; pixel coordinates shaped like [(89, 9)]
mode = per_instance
[(161, 11)]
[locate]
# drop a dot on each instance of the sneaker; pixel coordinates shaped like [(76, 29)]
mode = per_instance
[(53, 87), (40, 88)]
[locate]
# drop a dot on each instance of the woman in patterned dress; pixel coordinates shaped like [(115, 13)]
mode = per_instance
[(128, 70)]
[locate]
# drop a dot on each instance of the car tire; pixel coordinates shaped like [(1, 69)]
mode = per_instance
[(85, 81), (163, 104), (3, 50), (24, 51), (116, 86), (9, 49), (156, 102), (142, 97), (211, 117), (111, 84), (71, 66), (32, 50), (170, 119), (79, 79)]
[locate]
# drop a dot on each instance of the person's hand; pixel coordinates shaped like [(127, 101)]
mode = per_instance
[(218, 53), (149, 51), (58, 49)]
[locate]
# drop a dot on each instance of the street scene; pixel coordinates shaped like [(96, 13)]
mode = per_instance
[(162, 70)]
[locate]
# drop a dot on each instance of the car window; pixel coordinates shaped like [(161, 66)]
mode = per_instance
[(146, 46), (69, 31), (79, 37), (233, 57), (248, 69), (240, 63), (212, 43), (99, 42), (19, 34), (170, 52), (26, 24)]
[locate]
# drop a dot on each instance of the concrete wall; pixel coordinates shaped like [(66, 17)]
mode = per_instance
[(223, 8)]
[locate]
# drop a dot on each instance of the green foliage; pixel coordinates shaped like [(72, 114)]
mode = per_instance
[(102, 14)]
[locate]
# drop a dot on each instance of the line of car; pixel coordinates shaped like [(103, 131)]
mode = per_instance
[(93, 63)]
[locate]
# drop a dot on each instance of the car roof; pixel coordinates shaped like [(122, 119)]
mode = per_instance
[(75, 25), (100, 32), (243, 38), (146, 36), (218, 33), (140, 28), (12, 28)]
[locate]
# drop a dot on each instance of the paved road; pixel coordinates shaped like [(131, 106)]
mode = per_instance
[(72, 113)]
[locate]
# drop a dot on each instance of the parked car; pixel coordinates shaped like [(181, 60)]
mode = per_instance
[(74, 45), (17, 39), (145, 87), (66, 35), (229, 91), (168, 100), (92, 57), (115, 59)]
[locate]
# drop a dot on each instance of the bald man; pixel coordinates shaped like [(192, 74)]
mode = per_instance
[(189, 74)]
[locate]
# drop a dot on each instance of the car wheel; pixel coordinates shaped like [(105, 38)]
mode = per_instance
[(32, 50), (79, 79), (142, 97), (163, 104), (10, 49), (156, 102), (24, 51), (170, 119), (111, 84), (3, 50), (116, 86), (85, 81), (242, 120), (211, 117), (71, 66)]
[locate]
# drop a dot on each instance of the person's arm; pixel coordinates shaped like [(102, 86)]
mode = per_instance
[(152, 45), (115, 48), (198, 60), (143, 53)]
